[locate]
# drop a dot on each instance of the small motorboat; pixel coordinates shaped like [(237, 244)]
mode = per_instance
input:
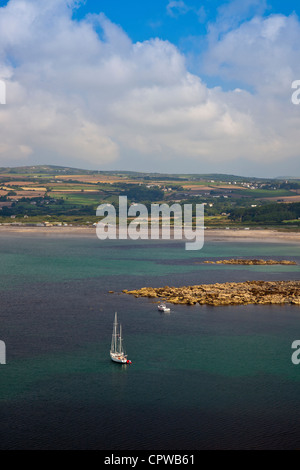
[(163, 308)]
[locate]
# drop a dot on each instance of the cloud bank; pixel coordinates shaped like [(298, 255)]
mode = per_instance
[(81, 93)]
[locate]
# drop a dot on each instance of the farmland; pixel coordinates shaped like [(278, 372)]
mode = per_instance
[(50, 194)]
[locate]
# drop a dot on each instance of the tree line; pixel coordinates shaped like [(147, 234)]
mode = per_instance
[(269, 213)]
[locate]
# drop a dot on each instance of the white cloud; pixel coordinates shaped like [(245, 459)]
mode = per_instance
[(177, 7), (231, 14), (81, 93), (262, 53)]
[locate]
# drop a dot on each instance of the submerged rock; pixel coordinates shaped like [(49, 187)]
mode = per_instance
[(251, 261)]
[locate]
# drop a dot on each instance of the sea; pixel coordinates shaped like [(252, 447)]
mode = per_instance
[(202, 377)]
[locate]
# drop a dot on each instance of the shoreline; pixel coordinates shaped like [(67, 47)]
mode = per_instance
[(259, 235)]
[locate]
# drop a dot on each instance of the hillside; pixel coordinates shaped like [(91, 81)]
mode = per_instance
[(55, 194)]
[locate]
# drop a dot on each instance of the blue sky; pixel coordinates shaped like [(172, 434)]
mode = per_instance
[(172, 86), (183, 23), (144, 20)]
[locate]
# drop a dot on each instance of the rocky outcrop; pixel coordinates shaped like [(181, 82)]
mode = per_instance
[(251, 261), (229, 293)]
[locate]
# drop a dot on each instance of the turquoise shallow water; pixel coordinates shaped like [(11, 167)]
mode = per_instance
[(202, 377), (47, 260)]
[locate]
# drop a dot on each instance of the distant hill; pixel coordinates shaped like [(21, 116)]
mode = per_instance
[(290, 178), (45, 169), (61, 170)]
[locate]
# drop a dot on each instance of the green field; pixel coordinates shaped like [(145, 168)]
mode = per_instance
[(70, 200), (263, 193)]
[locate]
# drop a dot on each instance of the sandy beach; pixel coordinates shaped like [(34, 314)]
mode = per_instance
[(262, 235), (240, 235)]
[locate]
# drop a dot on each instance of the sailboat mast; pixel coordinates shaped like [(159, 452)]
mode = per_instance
[(114, 335), (117, 353), (120, 339)]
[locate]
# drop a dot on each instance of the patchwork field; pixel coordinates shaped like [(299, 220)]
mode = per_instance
[(69, 194)]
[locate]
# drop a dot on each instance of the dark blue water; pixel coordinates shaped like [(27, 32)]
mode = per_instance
[(202, 377)]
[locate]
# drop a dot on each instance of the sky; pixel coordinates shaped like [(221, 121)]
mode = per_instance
[(173, 86)]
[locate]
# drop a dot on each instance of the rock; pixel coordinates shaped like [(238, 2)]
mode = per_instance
[(229, 293), (251, 262)]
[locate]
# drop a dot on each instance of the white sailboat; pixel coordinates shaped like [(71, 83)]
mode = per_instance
[(117, 353)]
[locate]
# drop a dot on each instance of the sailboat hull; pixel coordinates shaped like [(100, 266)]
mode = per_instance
[(120, 358)]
